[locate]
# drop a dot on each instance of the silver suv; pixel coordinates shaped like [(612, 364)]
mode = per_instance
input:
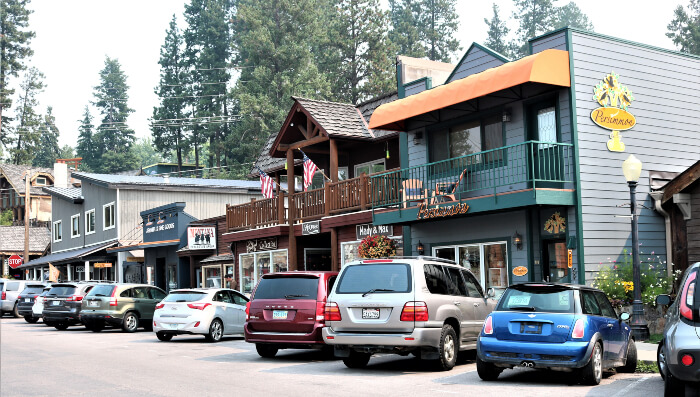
[(430, 307)]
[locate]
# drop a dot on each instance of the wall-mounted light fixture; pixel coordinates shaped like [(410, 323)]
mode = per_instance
[(506, 115), (418, 137), (518, 240), (420, 248)]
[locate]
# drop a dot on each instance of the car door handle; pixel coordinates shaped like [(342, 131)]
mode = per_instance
[(610, 325), (457, 303), (476, 305)]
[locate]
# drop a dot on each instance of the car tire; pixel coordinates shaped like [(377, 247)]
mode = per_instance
[(592, 373), (216, 331), (631, 363), (61, 326), (130, 322), (15, 311), (673, 387), (356, 359), (448, 348), (162, 336), (661, 360), (266, 350), (30, 319), (487, 371)]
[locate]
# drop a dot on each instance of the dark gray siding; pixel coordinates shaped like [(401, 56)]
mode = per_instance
[(475, 61), (95, 197), (62, 210), (555, 41), (666, 138), (417, 86)]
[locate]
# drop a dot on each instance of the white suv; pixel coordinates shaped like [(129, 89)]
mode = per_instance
[(430, 307)]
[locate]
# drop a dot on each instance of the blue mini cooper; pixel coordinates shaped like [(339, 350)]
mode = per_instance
[(555, 326)]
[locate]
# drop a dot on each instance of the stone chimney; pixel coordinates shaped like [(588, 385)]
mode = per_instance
[(60, 175)]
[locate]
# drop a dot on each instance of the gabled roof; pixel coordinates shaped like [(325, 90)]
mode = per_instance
[(70, 194), (681, 182), (164, 183), (475, 47), (12, 239), (15, 175)]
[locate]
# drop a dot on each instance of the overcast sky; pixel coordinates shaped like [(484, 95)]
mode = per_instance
[(73, 37)]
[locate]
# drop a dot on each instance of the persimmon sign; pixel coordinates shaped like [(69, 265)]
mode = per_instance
[(614, 98), (613, 119), (14, 261)]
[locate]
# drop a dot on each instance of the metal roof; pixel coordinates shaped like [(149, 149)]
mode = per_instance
[(67, 256), (141, 181)]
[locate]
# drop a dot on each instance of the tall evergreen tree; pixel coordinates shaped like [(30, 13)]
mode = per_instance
[(571, 15), (425, 28), (534, 17), (29, 123), (66, 152), (169, 117), (86, 147), (684, 29), (363, 54), (405, 32), (113, 134), (48, 150), (14, 49), (497, 34)]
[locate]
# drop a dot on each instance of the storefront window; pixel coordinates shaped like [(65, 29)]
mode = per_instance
[(247, 272), (350, 250), (252, 266), (487, 261), (172, 277), (470, 258), (212, 276), (279, 261)]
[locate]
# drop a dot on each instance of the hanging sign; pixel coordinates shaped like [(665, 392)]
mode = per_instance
[(555, 224), (313, 227), (201, 238), (440, 212), (613, 115), (15, 261), (570, 259), (368, 229), (520, 271), (101, 265), (261, 244)]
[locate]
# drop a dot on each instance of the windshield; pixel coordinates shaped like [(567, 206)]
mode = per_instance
[(537, 299), (101, 290), (287, 288), (185, 296), (32, 290), (61, 290), (375, 278)]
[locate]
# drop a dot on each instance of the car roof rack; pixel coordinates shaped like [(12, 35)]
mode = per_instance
[(92, 281), (423, 257)]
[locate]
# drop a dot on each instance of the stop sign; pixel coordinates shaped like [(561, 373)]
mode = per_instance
[(15, 261)]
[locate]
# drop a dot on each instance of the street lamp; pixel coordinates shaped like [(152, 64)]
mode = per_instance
[(632, 168)]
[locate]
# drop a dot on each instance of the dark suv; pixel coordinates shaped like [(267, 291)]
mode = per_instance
[(63, 301), (25, 301), (286, 311)]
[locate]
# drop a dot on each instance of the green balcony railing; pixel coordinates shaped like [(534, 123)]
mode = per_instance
[(522, 166)]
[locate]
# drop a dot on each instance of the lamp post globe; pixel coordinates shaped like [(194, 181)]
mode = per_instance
[(632, 169)]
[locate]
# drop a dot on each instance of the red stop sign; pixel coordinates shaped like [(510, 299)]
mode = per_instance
[(15, 261)]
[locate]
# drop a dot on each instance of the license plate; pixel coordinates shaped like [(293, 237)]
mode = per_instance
[(531, 328), (370, 313), (279, 314), (55, 303), (94, 303), (27, 299)]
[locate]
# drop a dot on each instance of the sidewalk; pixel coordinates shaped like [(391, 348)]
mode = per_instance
[(646, 351)]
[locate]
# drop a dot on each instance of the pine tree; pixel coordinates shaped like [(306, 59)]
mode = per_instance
[(113, 134), (169, 117), (86, 146), (684, 29), (14, 49), (534, 17), (48, 150), (497, 34), (405, 32), (572, 16), (66, 152), (28, 131), (425, 28), (363, 64)]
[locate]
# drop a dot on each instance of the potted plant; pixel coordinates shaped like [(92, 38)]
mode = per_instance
[(377, 246)]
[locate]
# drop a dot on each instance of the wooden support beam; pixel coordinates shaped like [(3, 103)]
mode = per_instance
[(335, 266), (303, 130), (298, 145), (334, 161), (309, 126), (292, 250)]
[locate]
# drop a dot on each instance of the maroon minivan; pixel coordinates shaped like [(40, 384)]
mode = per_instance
[(286, 311)]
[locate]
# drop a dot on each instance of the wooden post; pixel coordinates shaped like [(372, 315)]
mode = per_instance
[(292, 253), (363, 191), (327, 202), (334, 160), (335, 266), (280, 207), (26, 217)]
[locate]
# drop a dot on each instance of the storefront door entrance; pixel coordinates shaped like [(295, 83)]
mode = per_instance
[(160, 273), (554, 261), (317, 259)]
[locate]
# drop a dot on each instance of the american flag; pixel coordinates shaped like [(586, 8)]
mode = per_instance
[(267, 184), (309, 171)]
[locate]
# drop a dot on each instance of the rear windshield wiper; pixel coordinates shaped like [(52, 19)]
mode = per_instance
[(377, 290), (527, 308), (290, 296), (99, 295)]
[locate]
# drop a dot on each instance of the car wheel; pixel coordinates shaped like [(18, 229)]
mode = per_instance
[(61, 326), (130, 323), (216, 331), (356, 359), (162, 336), (487, 371), (661, 360), (592, 373), (30, 319), (448, 349), (266, 350), (673, 387), (631, 363), (15, 311)]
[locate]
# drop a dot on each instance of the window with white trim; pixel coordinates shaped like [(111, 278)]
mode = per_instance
[(108, 216), (75, 226), (40, 181), (57, 231), (90, 222), (487, 261), (370, 167)]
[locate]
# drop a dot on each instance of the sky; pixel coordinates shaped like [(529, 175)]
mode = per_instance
[(73, 38)]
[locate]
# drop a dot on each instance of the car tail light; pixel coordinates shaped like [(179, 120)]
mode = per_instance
[(74, 298), (4, 295), (488, 326), (331, 312), (113, 302), (578, 331), (414, 311), (198, 306), (688, 296), (320, 312), (196, 324), (160, 306), (247, 311), (687, 360)]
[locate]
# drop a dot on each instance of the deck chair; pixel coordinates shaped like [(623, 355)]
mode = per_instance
[(445, 191), (413, 192)]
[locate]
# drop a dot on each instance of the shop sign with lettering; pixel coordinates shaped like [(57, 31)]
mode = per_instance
[(261, 244), (368, 229), (201, 238), (313, 227), (613, 115), (427, 213)]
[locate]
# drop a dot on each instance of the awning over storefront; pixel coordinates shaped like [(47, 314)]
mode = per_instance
[(67, 256), (140, 246), (547, 67), (217, 259)]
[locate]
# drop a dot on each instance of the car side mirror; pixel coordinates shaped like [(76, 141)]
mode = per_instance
[(624, 316), (663, 300), (491, 293)]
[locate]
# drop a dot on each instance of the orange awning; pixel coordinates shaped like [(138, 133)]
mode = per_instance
[(547, 67)]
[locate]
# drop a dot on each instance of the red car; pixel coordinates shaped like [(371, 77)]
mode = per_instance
[(286, 311)]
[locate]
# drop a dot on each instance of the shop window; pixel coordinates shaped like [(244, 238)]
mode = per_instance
[(75, 226), (57, 231), (108, 216), (90, 221), (253, 265), (487, 261), (350, 250), (468, 138), (343, 173), (370, 167), (172, 277)]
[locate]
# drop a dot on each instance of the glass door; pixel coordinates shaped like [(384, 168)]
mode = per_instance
[(212, 276), (555, 261)]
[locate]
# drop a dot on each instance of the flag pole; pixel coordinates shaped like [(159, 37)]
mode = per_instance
[(273, 181)]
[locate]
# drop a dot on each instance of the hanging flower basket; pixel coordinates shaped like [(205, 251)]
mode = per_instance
[(377, 246)]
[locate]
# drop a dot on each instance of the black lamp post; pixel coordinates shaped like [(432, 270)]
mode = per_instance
[(632, 168)]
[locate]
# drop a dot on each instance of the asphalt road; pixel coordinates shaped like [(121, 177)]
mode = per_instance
[(36, 360)]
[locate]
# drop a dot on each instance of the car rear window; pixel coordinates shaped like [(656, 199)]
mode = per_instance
[(12, 286), (379, 278), (543, 299), (185, 296), (32, 289), (62, 290), (101, 290), (287, 288)]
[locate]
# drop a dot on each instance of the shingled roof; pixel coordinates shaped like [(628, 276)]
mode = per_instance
[(71, 193), (15, 175), (12, 239)]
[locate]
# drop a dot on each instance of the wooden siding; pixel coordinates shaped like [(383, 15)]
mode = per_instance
[(665, 87), (693, 226), (475, 61)]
